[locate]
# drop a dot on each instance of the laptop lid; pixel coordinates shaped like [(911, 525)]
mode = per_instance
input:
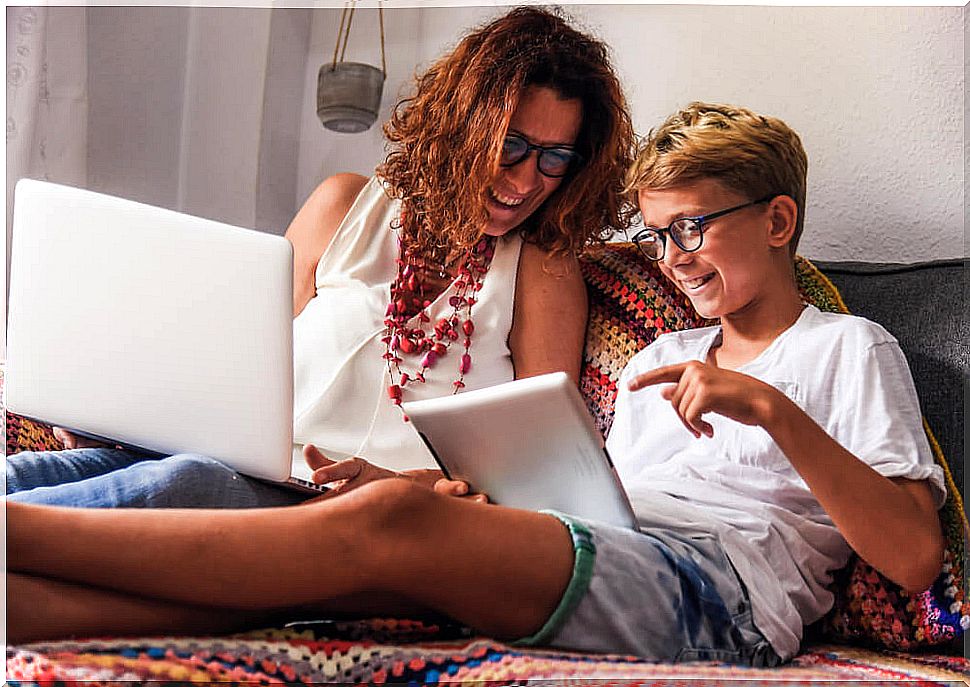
[(153, 328), (529, 443)]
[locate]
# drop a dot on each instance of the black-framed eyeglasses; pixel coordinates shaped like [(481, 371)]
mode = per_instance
[(687, 232), (552, 161)]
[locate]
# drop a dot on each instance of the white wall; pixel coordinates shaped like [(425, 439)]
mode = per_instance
[(213, 110), (282, 108), (876, 93)]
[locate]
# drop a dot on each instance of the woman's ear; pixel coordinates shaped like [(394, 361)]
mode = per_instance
[(783, 215)]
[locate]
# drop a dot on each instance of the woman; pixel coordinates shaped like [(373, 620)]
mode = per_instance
[(507, 160), (454, 267)]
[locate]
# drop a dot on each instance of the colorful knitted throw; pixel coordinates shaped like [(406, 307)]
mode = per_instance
[(408, 653)]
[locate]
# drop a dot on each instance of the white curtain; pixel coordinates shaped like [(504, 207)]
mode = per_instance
[(197, 109), (241, 114), (46, 103)]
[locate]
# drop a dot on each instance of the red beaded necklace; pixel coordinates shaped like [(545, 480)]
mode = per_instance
[(407, 294)]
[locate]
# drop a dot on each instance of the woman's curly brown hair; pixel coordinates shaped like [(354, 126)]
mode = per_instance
[(446, 139)]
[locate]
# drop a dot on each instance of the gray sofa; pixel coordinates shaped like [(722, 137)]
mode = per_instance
[(925, 307)]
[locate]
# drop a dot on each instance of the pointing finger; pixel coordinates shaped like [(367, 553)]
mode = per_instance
[(668, 373)]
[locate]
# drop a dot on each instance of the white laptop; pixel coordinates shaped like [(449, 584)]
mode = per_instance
[(529, 443), (153, 329)]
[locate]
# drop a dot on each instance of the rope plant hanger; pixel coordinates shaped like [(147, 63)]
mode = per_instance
[(349, 93)]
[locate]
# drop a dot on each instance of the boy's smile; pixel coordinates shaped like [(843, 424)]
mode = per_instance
[(727, 272)]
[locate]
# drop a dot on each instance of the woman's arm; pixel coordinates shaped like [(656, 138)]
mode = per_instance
[(549, 318), (314, 227)]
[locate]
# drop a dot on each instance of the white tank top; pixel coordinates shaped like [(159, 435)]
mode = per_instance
[(340, 376)]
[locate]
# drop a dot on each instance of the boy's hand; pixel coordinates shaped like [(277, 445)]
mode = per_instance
[(696, 388)]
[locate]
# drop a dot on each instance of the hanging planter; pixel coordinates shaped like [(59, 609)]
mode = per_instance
[(349, 93)]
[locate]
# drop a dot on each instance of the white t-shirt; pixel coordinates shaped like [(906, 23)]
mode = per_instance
[(849, 375)]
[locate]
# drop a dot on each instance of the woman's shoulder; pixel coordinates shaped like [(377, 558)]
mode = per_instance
[(340, 190), (549, 277), (550, 265), (327, 205)]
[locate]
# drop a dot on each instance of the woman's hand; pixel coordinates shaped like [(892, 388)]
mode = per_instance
[(343, 475), (346, 475), (457, 488), (71, 441)]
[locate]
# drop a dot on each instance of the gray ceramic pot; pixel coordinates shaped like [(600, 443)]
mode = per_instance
[(349, 96)]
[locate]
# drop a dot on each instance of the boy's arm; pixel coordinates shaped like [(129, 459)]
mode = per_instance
[(891, 522)]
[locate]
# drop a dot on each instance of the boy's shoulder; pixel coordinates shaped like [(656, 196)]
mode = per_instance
[(828, 330), (841, 328)]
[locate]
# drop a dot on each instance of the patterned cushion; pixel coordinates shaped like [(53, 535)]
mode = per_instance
[(28, 435), (630, 304)]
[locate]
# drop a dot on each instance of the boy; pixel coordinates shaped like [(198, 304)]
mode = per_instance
[(797, 433), (755, 453)]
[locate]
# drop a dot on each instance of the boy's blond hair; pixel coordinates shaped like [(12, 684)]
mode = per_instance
[(752, 154)]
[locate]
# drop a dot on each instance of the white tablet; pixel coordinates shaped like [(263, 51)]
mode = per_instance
[(527, 444)]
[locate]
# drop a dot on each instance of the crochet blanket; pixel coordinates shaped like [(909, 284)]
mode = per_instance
[(409, 653)]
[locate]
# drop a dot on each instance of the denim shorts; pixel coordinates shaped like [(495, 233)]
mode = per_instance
[(656, 595)]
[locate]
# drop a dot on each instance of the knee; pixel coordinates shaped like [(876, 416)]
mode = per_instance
[(15, 463), (372, 528), (195, 469), (390, 503), (391, 512), (26, 459)]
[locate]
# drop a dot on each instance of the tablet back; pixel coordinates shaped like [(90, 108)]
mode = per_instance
[(529, 443)]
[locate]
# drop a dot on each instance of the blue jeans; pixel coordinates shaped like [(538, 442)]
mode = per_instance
[(115, 478)]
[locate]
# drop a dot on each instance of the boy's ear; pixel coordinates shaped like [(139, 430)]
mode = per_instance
[(783, 215)]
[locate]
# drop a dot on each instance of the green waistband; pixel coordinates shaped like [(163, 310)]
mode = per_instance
[(584, 555)]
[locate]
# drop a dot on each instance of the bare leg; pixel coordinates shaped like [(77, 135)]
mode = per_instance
[(75, 610), (499, 570)]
